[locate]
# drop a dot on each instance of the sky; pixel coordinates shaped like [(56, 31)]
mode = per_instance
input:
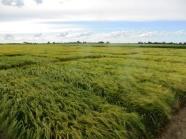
[(117, 21)]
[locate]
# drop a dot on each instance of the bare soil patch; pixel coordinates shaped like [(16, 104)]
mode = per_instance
[(177, 127)]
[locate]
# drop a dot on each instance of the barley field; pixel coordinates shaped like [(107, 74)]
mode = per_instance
[(89, 92)]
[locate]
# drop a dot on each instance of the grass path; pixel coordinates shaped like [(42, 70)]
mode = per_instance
[(177, 127)]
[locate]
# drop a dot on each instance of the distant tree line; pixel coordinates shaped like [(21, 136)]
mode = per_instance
[(180, 43), (78, 42)]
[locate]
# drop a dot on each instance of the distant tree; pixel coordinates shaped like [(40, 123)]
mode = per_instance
[(48, 42), (170, 43), (107, 42), (156, 43), (78, 42), (149, 42), (140, 42), (27, 43), (101, 42)]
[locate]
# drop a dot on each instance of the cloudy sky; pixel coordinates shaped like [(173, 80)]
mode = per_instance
[(92, 20)]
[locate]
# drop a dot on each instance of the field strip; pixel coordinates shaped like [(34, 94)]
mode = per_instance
[(80, 58), (89, 57), (12, 55), (56, 59), (19, 65)]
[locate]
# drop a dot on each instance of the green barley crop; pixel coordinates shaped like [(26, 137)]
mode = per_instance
[(78, 92)]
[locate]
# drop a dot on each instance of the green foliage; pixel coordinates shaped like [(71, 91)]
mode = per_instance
[(89, 92)]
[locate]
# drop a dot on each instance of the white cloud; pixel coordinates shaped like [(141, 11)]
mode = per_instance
[(95, 9), (22, 27), (113, 36), (80, 35), (39, 1), (30, 20), (9, 37), (38, 35), (17, 3), (147, 34)]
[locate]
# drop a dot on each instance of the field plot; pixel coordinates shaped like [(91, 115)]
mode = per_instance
[(59, 92)]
